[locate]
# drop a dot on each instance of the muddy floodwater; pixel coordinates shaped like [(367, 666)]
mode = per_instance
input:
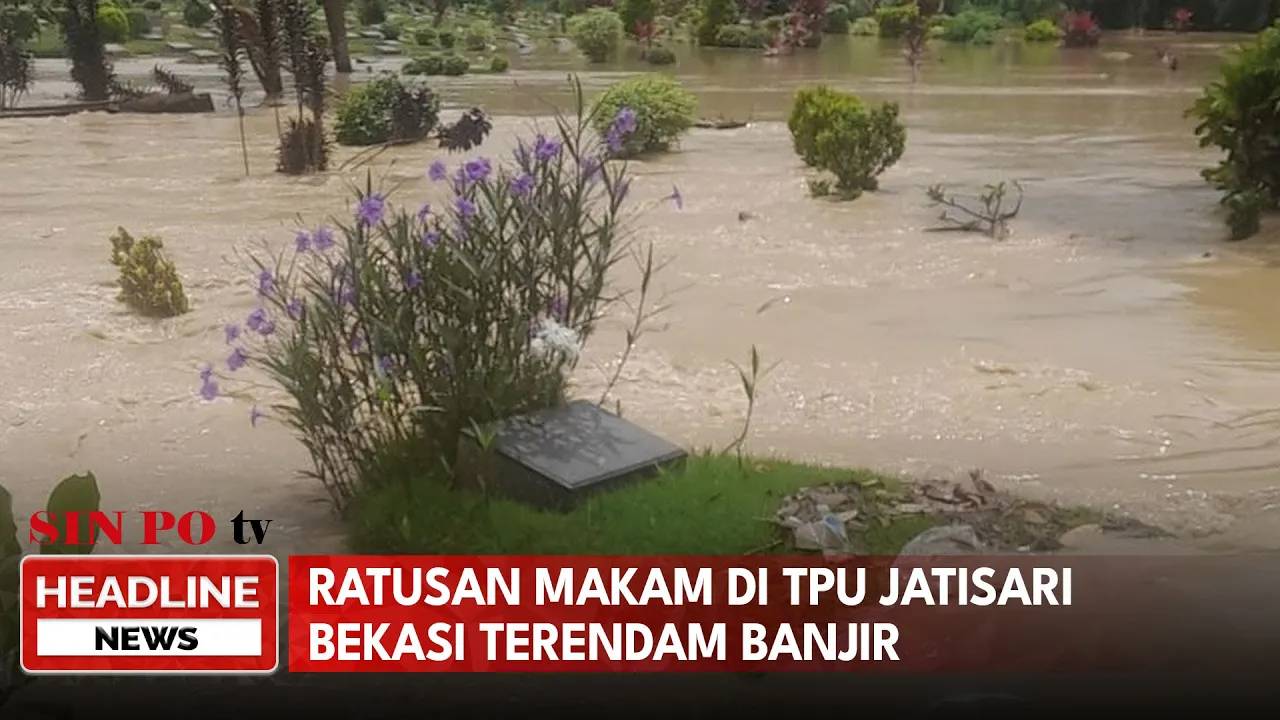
[(1113, 351)]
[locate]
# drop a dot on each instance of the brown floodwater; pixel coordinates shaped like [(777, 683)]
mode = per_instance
[(1114, 350)]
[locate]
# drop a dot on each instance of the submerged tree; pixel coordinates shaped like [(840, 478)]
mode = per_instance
[(229, 34), (89, 66), (915, 35)]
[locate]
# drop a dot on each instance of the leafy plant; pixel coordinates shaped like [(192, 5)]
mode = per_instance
[(660, 56), (742, 36), (391, 29), (1240, 113), (149, 282), (751, 378), (837, 132), (404, 326), (893, 20), (17, 26), (467, 132), (865, 27), (478, 36), (1043, 30), (139, 23), (1080, 29), (170, 82), (372, 12), (596, 33), (386, 110), (837, 20), (197, 13), (990, 215), (659, 109), (715, 15), (499, 64), (425, 36), (635, 14), (89, 66), (977, 27), (447, 39)]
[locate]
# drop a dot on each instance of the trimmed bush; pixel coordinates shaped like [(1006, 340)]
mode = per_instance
[(1239, 114), (865, 27), (1042, 31), (742, 36), (425, 36), (499, 64), (596, 33), (837, 132), (447, 39), (660, 56), (139, 23), (663, 111), (426, 65), (386, 110), (977, 27), (391, 30), (454, 65), (716, 14), (196, 13), (113, 24), (837, 20), (894, 20), (478, 36), (149, 282), (372, 12)]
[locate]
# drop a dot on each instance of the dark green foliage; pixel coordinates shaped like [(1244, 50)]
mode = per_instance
[(139, 23), (113, 24), (426, 65), (894, 20), (197, 13), (17, 26), (386, 110), (660, 56), (89, 66), (499, 64), (170, 82), (477, 36), (372, 12), (664, 111), (149, 282), (447, 39), (837, 20), (502, 10), (391, 30), (424, 36), (978, 27), (859, 8), (596, 33), (467, 132), (715, 15), (153, 5), (837, 132), (1240, 113), (742, 36), (635, 14)]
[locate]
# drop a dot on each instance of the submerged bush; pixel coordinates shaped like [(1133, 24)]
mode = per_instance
[(149, 282), (656, 110), (837, 132), (113, 24), (837, 20), (1042, 31), (894, 20), (659, 56), (405, 326), (596, 33), (716, 14), (741, 36), (1240, 113), (865, 27), (385, 110), (499, 64), (978, 27), (425, 36), (447, 39)]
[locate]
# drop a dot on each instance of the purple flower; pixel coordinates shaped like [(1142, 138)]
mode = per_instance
[(413, 280), (676, 197), (347, 294), (232, 331), (386, 364), (255, 415), (430, 239), (257, 319), (302, 241), (614, 140), (236, 360), (266, 283), (466, 208), (206, 372), (522, 185), (355, 343), (423, 212), (558, 308), (323, 239), (371, 209), (625, 121), (591, 168), (545, 148), (477, 170), (296, 309), (209, 389), (437, 171)]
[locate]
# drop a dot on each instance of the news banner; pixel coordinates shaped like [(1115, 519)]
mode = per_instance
[(844, 616)]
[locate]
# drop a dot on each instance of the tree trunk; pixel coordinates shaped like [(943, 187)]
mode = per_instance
[(335, 18)]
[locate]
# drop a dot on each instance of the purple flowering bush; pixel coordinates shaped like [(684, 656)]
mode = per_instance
[(644, 114), (398, 326)]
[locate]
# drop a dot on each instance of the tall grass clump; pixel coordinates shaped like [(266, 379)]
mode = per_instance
[(398, 325)]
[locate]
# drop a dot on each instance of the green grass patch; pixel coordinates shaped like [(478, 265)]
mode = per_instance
[(710, 506)]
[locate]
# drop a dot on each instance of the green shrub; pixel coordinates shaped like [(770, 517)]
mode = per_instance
[(478, 36), (405, 329), (391, 30), (372, 12), (427, 65), (635, 13), (1042, 31), (1240, 113), (447, 39), (454, 65), (384, 110), (196, 13), (139, 23), (742, 36), (663, 111), (894, 20), (837, 20), (865, 27), (425, 36), (149, 282), (859, 9), (596, 33), (715, 15), (973, 26), (153, 5), (659, 56), (499, 64), (113, 24), (837, 132)]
